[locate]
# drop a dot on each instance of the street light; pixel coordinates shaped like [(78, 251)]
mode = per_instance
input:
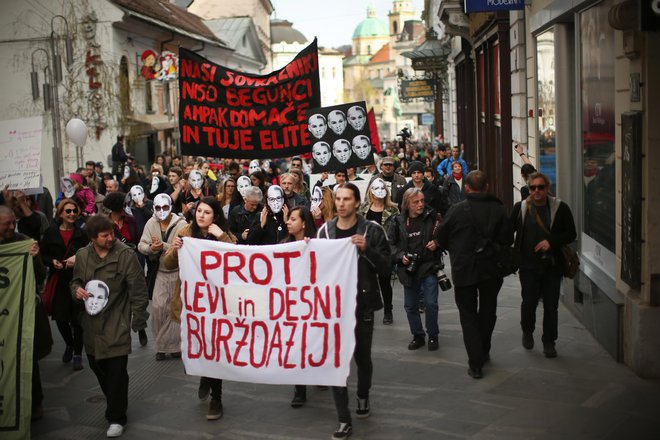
[(68, 48), (34, 75)]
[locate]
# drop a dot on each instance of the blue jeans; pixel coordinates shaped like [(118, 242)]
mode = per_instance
[(428, 288)]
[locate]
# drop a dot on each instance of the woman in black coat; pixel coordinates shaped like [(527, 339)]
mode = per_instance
[(58, 248)]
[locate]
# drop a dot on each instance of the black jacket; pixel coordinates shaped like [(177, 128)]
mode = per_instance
[(562, 225), (52, 248), (459, 237), (296, 200), (429, 262), (454, 192), (274, 232), (374, 261), (241, 219), (434, 197)]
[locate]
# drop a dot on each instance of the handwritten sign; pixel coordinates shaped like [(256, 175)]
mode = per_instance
[(17, 296), (20, 153), (280, 314), (232, 114)]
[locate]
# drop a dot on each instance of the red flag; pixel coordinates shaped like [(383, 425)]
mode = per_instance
[(375, 140)]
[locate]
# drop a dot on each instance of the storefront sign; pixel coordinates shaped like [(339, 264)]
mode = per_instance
[(493, 5), (417, 88)]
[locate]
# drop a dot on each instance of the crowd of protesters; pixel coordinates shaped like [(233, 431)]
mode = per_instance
[(123, 228)]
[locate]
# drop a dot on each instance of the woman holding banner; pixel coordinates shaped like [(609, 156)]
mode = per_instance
[(209, 223), (300, 226)]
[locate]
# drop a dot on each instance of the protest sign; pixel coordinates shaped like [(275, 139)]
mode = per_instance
[(278, 314), (20, 153), (17, 295), (231, 114), (340, 136)]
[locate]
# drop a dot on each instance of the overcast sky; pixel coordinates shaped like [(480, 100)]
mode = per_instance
[(332, 21)]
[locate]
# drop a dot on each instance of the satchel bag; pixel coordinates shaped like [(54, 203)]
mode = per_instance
[(48, 294), (506, 259), (570, 258)]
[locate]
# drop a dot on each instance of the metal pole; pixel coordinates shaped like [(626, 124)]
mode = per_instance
[(58, 166)]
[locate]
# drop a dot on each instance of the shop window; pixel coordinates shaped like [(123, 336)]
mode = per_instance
[(597, 124), (545, 93)]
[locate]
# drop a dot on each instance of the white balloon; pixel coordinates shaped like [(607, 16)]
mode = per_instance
[(76, 131)]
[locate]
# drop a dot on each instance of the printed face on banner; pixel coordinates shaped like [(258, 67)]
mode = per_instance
[(361, 146), (337, 121), (317, 197), (317, 125), (254, 166), (342, 145), (357, 117), (67, 187), (196, 180), (98, 296), (378, 188), (242, 184), (275, 196), (341, 149), (321, 153), (162, 206), (137, 194)]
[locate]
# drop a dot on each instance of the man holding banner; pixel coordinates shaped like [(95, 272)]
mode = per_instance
[(374, 259)]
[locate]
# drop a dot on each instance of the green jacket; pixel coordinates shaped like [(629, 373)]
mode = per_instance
[(108, 334), (388, 214)]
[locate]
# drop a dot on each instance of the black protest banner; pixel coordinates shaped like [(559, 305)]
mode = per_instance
[(231, 114), (340, 137)]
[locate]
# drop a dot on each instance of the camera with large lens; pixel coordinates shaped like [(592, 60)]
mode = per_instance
[(443, 280), (413, 262)]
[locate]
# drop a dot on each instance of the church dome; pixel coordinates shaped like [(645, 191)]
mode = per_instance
[(371, 26), (282, 31)]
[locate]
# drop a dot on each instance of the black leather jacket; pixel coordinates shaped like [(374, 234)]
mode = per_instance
[(373, 261)]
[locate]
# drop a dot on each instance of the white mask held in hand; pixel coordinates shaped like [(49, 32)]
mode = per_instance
[(127, 171), (378, 188), (275, 196), (317, 197), (98, 296), (254, 166), (137, 194), (242, 184), (67, 186), (196, 180), (155, 181), (162, 206)]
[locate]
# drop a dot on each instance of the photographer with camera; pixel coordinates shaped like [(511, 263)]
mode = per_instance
[(412, 237)]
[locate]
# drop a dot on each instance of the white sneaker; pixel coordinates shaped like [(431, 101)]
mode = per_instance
[(115, 430)]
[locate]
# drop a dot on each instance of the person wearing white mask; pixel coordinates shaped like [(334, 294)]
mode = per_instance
[(254, 166), (379, 208), (158, 235), (196, 191), (242, 184), (271, 225)]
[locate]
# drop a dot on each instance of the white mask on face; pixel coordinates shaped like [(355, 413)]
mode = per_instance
[(317, 197), (127, 172), (254, 166), (275, 196), (378, 188), (137, 194), (265, 165), (242, 184), (67, 186), (98, 296), (196, 179), (162, 206)]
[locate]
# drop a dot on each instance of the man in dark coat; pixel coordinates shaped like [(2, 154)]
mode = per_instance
[(543, 224), (467, 233), (434, 197)]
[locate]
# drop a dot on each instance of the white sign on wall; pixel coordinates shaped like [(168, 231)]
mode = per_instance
[(20, 153)]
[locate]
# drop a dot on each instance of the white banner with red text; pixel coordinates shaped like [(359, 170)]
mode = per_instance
[(278, 314)]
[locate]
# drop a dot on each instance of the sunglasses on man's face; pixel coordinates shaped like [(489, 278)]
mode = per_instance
[(536, 187), (71, 211), (162, 208)]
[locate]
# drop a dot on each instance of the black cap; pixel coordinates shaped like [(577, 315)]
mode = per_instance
[(415, 165)]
